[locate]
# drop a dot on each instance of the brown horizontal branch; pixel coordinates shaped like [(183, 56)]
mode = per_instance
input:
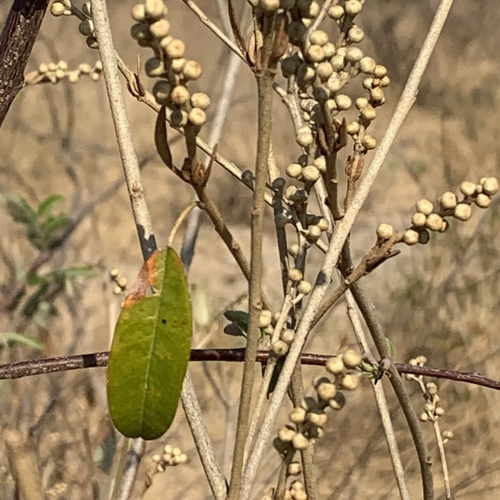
[(32, 367)]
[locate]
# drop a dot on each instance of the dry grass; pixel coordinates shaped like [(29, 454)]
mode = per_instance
[(440, 300)]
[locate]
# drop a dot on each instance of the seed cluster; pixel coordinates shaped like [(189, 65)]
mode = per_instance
[(308, 420), (433, 217), (169, 64), (119, 281), (170, 457), (55, 72)]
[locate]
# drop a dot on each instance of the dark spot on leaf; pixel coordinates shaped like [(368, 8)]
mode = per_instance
[(164, 321)]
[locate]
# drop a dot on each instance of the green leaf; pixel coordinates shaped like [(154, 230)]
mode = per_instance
[(238, 317), (151, 349), (8, 339), (48, 204), (19, 210)]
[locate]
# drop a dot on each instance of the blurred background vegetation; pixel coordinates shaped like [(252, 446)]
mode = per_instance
[(60, 171)]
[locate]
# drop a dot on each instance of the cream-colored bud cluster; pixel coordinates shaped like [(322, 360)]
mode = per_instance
[(308, 420), (170, 457), (55, 72), (169, 64), (322, 69), (61, 8), (119, 281), (57, 490), (432, 217)]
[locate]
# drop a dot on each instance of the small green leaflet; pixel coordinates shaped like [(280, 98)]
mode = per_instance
[(151, 349)]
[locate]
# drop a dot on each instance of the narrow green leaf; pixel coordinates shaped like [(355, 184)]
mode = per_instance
[(8, 339), (151, 348), (48, 204), (238, 317)]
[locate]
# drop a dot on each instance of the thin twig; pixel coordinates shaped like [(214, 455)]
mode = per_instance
[(342, 231), (381, 401), (30, 368), (144, 227)]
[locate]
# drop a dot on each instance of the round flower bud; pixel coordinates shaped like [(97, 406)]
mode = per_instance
[(385, 231), (377, 95), (424, 237), (155, 9), (154, 67), (462, 212), (490, 186), (175, 48), (354, 54), (353, 128), (294, 250), (343, 102), (318, 37), (290, 192), (84, 68), (369, 142), (448, 200), (297, 415), (197, 117), (286, 434), (320, 164), (323, 224), (159, 29), (313, 233), (418, 220), (287, 336), (138, 13), (361, 103), (326, 390), (324, 70), (410, 237), (483, 200), (121, 281), (270, 5), (379, 71), (355, 34), (300, 442), (334, 83), (57, 9), (139, 31), (290, 65), (368, 83), (295, 274), (200, 100), (309, 9), (304, 287), (367, 65), (310, 173), (350, 381), (368, 113), (424, 417), (336, 12), (86, 27), (314, 53), (424, 207), (385, 81), (439, 411), (351, 358), (338, 402), (294, 469), (353, 7), (317, 418), (434, 222), (444, 226), (468, 188), (177, 65), (338, 62), (265, 319), (304, 137), (296, 31), (161, 91), (293, 170), (280, 348), (329, 50), (117, 290), (179, 118), (92, 42), (335, 365), (180, 95), (192, 70)]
